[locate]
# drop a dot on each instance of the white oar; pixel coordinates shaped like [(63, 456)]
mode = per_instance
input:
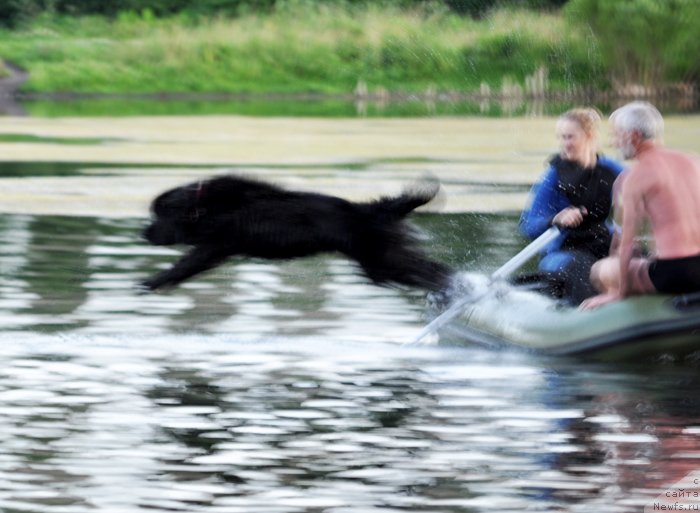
[(501, 273)]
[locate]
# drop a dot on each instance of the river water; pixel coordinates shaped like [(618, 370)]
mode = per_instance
[(288, 387)]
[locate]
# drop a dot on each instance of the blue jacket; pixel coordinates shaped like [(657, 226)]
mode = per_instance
[(566, 184)]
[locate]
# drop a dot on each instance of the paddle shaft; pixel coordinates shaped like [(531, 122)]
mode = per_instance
[(501, 273)]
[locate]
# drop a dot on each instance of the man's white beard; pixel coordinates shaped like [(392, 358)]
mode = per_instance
[(626, 151)]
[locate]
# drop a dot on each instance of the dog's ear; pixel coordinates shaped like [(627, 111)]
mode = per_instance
[(171, 203)]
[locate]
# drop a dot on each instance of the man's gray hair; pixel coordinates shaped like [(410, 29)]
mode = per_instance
[(640, 117)]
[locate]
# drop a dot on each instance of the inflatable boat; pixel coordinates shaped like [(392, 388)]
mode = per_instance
[(642, 327)]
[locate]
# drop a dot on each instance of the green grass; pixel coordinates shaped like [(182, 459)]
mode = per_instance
[(320, 49), (28, 138)]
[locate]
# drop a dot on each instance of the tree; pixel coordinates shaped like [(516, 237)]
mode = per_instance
[(647, 42)]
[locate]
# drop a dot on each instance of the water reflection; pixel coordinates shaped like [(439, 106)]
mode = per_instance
[(281, 388), (381, 105), (63, 273), (191, 424)]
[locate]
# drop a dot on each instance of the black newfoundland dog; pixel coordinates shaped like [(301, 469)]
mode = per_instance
[(231, 215)]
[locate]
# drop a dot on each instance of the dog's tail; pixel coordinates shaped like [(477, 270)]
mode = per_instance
[(414, 196)]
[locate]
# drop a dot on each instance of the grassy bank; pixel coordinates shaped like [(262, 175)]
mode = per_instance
[(305, 48)]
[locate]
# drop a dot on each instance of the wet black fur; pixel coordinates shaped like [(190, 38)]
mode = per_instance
[(231, 215)]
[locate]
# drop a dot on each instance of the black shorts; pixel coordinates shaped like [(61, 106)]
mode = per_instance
[(676, 275)]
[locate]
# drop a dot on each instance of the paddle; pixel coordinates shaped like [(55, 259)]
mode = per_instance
[(501, 273)]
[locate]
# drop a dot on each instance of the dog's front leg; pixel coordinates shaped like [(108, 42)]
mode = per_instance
[(199, 259)]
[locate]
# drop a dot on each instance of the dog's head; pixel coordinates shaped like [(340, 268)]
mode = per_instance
[(175, 215)]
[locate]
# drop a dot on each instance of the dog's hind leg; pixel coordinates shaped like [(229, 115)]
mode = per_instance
[(199, 259)]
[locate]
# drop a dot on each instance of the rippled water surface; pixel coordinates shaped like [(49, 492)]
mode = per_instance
[(266, 387)]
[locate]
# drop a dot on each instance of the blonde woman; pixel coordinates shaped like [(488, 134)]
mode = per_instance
[(575, 194)]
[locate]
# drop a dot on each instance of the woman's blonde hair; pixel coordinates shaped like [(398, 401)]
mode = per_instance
[(588, 118)]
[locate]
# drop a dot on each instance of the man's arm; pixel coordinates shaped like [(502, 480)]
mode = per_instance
[(633, 200)]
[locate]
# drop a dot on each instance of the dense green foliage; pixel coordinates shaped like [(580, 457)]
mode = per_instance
[(644, 41), (14, 12), (336, 46), (300, 48)]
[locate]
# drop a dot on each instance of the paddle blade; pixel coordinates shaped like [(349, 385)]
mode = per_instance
[(501, 273)]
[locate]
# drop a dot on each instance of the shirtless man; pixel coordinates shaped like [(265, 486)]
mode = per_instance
[(663, 187)]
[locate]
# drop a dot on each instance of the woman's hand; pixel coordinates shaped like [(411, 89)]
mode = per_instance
[(570, 217)]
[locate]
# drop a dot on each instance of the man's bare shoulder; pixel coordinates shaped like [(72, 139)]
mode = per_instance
[(660, 155), (639, 177), (635, 171)]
